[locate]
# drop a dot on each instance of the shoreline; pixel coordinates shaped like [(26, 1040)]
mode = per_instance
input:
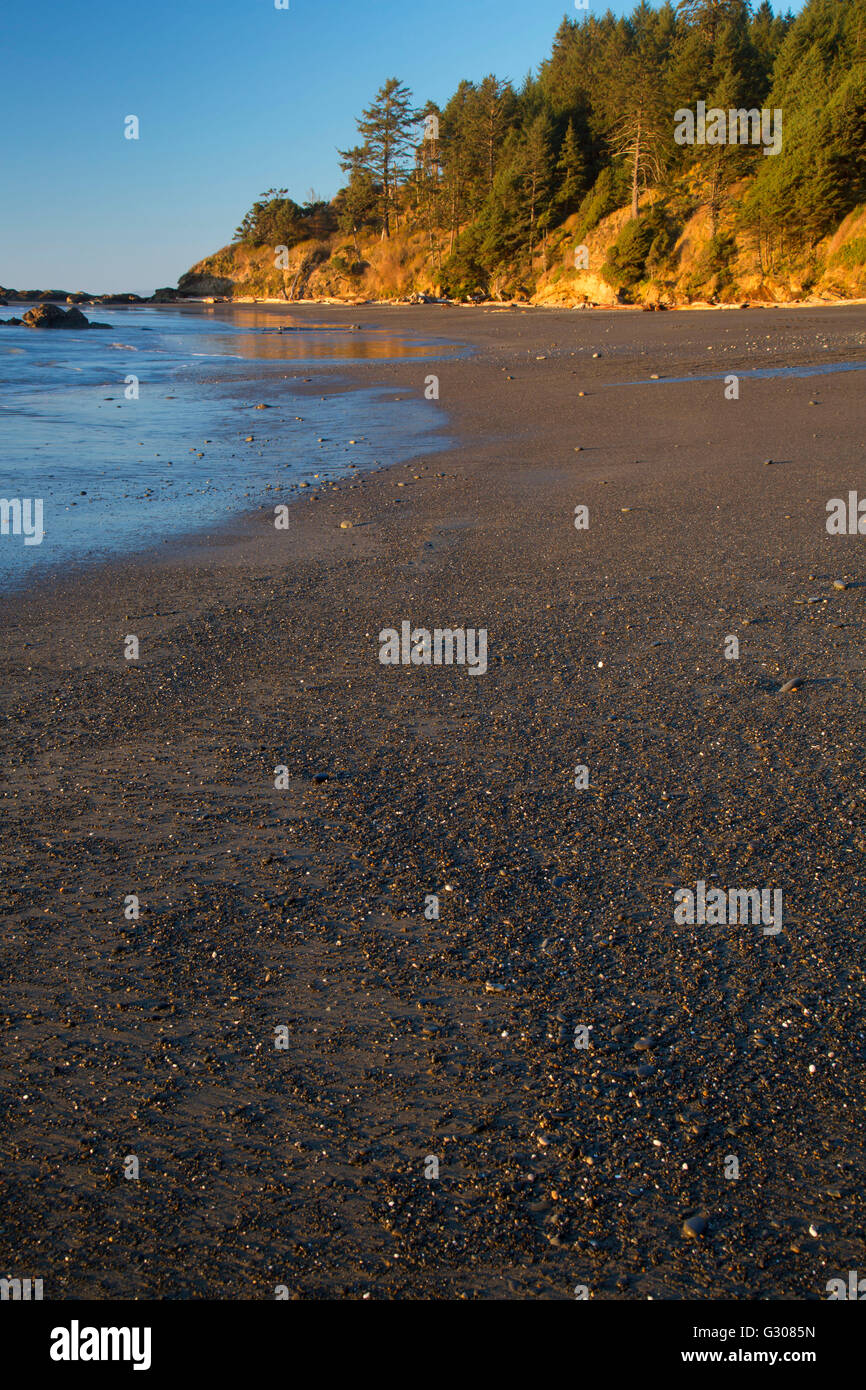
[(127, 301), (340, 379), (304, 908), (325, 423), (697, 306)]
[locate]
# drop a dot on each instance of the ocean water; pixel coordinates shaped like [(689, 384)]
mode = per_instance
[(121, 464)]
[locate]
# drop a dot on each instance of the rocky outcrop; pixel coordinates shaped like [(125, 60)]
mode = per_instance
[(46, 316), (49, 316), (9, 296), (201, 286)]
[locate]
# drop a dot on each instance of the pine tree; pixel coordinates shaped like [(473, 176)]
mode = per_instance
[(638, 127), (493, 111), (767, 32), (537, 172), (456, 155), (427, 180), (571, 167), (708, 15), (358, 204), (387, 128)]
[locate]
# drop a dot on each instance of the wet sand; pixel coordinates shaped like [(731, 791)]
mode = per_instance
[(410, 1039)]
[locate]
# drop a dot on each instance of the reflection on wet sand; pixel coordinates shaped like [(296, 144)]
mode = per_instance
[(274, 333)]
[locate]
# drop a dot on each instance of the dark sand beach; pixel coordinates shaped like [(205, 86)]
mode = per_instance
[(409, 1038)]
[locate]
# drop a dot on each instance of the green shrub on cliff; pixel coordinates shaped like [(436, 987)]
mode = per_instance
[(275, 220), (713, 272), (610, 191), (641, 247)]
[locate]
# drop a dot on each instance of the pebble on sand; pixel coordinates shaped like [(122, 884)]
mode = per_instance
[(793, 684), (694, 1227)]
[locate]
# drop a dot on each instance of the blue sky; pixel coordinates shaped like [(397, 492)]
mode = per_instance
[(233, 97)]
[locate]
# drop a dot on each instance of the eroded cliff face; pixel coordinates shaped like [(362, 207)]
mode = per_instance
[(202, 285), (328, 269), (570, 270)]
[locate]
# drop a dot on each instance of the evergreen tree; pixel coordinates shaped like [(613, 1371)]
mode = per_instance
[(387, 128), (427, 181), (504, 222), (537, 174), (708, 15), (456, 160), (274, 220), (639, 128), (767, 32), (357, 205), (571, 168), (492, 113)]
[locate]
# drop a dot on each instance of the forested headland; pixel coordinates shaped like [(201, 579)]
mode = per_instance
[(580, 183)]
